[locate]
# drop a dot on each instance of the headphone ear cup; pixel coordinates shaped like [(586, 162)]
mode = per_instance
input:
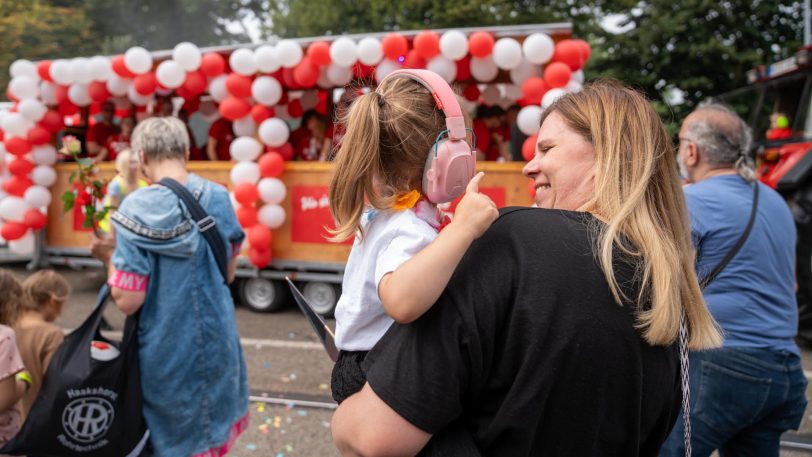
[(448, 170)]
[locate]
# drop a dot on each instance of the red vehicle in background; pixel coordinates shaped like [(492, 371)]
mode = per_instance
[(778, 106)]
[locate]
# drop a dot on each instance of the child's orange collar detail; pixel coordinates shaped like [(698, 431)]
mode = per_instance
[(406, 200)]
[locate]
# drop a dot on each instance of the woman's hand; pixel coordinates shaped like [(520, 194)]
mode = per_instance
[(102, 248), (475, 212)]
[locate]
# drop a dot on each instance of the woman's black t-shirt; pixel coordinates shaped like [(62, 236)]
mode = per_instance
[(529, 351)]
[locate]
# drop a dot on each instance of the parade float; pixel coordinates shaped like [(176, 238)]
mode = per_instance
[(263, 89)]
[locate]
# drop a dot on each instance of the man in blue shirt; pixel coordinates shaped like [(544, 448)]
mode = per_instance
[(747, 393)]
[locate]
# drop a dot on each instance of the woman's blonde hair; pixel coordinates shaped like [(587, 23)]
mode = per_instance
[(390, 132), (42, 287), (638, 192), (11, 297)]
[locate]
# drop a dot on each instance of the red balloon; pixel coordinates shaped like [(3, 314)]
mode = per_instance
[(68, 109), (529, 147), (61, 94), (213, 64), (16, 185), (289, 81), (533, 89), (464, 69), (238, 85), (394, 46), (360, 70), (34, 219), (586, 50), (44, 70), (195, 82), (145, 84), (52, 121), (17, 146), (286, 151), (20, 167), (247, 216), (295, 108), (570, 53), (246, 193), (271, 164), (413, 60), (260, 112), (480, 44), (38, 135), (259, 237), (233, 108), (94, 109), (557, 74), (283, 100), (98, 91), (120, 68), (2, 134), (306, 74), (259, 259), (427, 44), (471, 92), (13, 231), (319, 53)]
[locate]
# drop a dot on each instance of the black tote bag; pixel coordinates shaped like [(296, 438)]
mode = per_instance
[(90, 405)]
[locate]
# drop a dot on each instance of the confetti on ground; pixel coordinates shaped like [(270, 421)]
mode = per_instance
[(266, 365), (323, 386), (280, 454), (289, 448), (251, 447), (325, 424), (263, 428), (302, 412), (260, 407)]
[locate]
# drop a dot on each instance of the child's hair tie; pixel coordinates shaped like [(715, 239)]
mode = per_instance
[(381, 101)]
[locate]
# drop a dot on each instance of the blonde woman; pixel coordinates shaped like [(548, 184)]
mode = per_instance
[(125, 182), (557, 334)]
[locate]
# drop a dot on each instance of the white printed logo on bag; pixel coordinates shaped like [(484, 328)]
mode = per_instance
[(87, 418)]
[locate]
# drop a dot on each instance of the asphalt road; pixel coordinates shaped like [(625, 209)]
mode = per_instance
[(284, 360)]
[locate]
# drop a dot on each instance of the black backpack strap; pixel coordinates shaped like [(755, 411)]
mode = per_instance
[(205, 223), (735, 249)]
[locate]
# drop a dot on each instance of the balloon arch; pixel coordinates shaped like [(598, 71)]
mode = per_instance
[(259, 88)]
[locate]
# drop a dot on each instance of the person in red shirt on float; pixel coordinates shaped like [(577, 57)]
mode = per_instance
[(98, 133), (221, 134), (117, 142), (489, 142)]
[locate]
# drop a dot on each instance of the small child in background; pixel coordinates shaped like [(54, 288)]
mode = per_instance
[(45, 293), (13, 379)]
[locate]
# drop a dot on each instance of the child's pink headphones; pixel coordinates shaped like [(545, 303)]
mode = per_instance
[(450, 163)]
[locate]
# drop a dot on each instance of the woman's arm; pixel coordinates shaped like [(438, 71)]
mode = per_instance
[(414, 286), (211, 148), (128, 301)]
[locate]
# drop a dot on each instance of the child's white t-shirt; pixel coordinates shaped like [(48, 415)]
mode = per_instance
[(390, 239)]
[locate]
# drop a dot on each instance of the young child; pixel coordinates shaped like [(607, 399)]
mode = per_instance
[(45, 293), (399, 263), (124, 183), (13, 380)]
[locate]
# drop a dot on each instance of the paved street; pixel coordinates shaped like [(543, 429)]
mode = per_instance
[(284, 360)]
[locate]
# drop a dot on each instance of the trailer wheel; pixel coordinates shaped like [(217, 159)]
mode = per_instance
[(322, 297), (262, 295)]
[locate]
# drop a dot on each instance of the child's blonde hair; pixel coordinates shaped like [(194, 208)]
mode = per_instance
[(42, 287), (123, 161), (390, 132), (11, 297)]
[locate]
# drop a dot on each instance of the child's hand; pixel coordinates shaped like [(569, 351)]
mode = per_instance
[(475, 212)]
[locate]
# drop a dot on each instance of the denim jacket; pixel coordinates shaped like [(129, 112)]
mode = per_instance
[(192, 368)]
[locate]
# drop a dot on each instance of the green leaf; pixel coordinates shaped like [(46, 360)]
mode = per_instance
[(72, 177), (67, 200)]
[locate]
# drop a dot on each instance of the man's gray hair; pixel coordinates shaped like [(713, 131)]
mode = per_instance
[(724, 138), (161, 138)]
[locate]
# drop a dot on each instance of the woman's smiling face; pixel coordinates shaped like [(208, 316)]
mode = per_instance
[(563, 167)]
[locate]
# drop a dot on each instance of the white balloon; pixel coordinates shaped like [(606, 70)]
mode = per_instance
[(271, 190), (289, 53), (32, 109), (80, 70), (338, 75), (37, 197), (245, 148), (138, 60), (187, 55), (491, 95), (453, 45), (23, 67), (117, 85), (15, 124), (551, 96), (384, 68), (47, 92), (170, 74), (100, 68), (244, 172), (507, 53), (523, 71), (573, 86), (538, 48), (271, 216), (444, 67), (245, 126), (43, 175), (310, 99), (242, 62), (60, 72), (484, 69), (266, 90), (529, 119), (78, 95), (343, 52), (265, 59), (370, 51), (217, 88), (44, 155), (274, 132), (577, 76), (13, 208), (138, 99), (24, 245), (23, 87)]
